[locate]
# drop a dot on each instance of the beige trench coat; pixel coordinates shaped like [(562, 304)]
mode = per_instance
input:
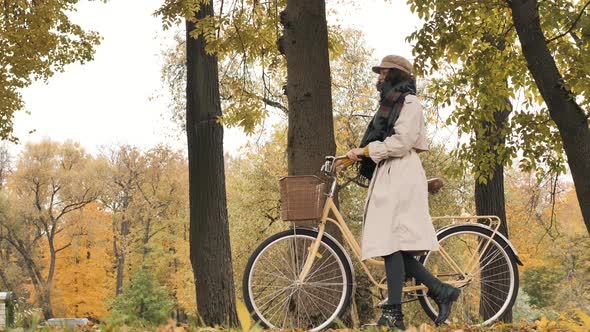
[(396, 210)]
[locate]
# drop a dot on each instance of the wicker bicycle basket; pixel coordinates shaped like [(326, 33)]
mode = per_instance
[(302, 197)]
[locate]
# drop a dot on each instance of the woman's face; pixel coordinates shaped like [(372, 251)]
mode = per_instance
[(383, 74)]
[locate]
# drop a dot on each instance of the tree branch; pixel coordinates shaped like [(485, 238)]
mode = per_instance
[(573, 25), (275, 104), (76, 206), (156, 232), (62, 248)]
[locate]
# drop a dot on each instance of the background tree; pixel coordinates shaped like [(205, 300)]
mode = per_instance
[(37, 39), (552, 242), (121, 196), (51, 182), (458, 36), (4, 164), (84, 272), (209, 231), (481, 72), (558, 91), (163, 192)]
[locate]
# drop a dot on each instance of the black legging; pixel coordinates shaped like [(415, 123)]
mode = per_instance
[(397, 265)]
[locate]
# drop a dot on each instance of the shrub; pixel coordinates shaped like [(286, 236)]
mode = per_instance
[(143, 302)]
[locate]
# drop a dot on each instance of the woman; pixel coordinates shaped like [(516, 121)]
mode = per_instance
[(397, 224)]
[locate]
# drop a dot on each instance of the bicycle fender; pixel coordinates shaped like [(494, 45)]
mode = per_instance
[(340, 246), (512, 249)]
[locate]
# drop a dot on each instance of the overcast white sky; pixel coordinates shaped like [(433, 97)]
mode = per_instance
[(110, 100)]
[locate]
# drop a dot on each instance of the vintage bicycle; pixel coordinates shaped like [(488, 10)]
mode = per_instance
[(304, 278)]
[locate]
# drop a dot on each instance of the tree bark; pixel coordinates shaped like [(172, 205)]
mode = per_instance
[(490, 201), (209, 229), (45, 300), (120, 250), (310, 135), (120, 271), (305, 46), (571, 120)]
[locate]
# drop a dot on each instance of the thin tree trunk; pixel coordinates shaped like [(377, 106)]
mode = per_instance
[(146, 238), (120, 253), (45, 300), (209, 229), (120, 272), (571, 120)]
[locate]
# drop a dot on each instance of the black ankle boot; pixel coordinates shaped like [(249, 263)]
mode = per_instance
[(392, 317), (444, 295)]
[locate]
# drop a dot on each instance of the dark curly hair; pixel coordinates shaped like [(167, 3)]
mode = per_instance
[(395, 76)]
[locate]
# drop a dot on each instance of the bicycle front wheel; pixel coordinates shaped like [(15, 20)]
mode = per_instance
[(273, 293), (491, 284)]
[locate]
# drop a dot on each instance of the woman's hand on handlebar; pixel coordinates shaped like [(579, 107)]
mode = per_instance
[(344, 162), (355, 154)]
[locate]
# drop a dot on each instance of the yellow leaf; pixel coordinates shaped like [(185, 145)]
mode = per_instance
[(243, 315)]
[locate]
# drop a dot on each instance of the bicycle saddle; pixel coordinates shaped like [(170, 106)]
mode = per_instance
[(434, 185)]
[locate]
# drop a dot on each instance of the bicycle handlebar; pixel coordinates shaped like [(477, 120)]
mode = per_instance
[(330, 164)]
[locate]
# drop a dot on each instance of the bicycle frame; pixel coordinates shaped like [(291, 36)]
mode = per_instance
[(466, 272)]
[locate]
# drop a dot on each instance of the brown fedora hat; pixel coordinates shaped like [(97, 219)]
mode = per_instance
[(394, 61)]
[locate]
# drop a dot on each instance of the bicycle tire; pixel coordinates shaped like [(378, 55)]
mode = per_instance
[(461, 313), (295, 310)]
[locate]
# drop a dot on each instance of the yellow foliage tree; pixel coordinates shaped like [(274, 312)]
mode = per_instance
[(84, 271)]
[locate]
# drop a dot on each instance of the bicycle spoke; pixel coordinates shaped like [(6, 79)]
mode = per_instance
[(280, 301), (330, 295), (321, 267), (309, 319), (277, 307), (288, 263), (486, 294), (283, 275), (323, 273), (323, 300), (321, 282), (314, 304), (272, 295)]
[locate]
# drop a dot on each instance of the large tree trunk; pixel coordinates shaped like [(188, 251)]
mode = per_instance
[(489, 201), (209, 230), (305, 46), (570, 119), (311, 128), (42, 288)]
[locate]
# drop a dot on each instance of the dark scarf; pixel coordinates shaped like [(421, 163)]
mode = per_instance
[(382, 124)]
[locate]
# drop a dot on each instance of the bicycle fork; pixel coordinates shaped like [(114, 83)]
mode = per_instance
[(313, 253)]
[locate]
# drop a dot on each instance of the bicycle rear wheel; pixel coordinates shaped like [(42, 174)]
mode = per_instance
[(492, 283), (277, 299)]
